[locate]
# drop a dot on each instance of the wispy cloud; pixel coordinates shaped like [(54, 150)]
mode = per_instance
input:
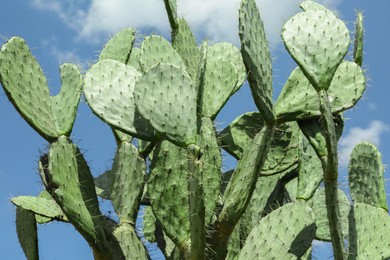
[(356, 135), (62, 56), (215, 19)]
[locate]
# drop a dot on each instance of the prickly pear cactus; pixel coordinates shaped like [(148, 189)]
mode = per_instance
[(162, 100)]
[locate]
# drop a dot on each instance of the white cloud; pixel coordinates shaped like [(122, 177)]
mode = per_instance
[(216, 19), (356, 135), (62, 56)]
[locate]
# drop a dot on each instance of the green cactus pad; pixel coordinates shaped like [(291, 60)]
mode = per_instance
[(330, 40), (219, 82), (211, 166), (121, 136), (166, 98), (285, 233), (134, 58), (26, 87), (311, 172), (184, 43), (317, 203), (311, 5), (26, 227), (168, 191), (284, 151), (263, 201), (40, 206), (103, 184), (283, 155), (130, 244), (298, 99), (129, 173), (71, 184), (119, 47), (366, 176), (228, 52), (234, 244), (149, 225), (236, 136), (257, 58), (156, 49), (108, 89), (313, 130), (64, 105), (358, 44), (243, 181), (369, 236), (40, 219)]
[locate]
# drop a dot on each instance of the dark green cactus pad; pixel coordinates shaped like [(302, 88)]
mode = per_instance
[(299, 100), (283, 155), (234, 244), (70, 183), (154, 50), (284, 150), (183, 41), (149, 224), (211, 166), (132, 247), (26, 228), (257, 58), (366, 176), (317, 203), (313, 130), (262, 201), (26, 87), (236, 136), (40, 206), (168, 191), (358, 43), (228, 52), (129, 173), (103, 184), (219, 82), (119, 47), (310, 171), (109, 90), (285, 233), (243, 181), (369, 236), (166, 98), (329, 38)]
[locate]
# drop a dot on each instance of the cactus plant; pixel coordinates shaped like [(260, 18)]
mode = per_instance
[(161, 101)]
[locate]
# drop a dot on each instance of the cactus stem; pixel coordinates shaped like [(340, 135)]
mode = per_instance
[(330, 177)]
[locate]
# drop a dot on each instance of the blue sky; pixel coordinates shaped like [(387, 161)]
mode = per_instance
[(74, 31)]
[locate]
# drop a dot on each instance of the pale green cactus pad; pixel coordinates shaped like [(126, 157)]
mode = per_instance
[(317, 203), (368, 232), (26, 87), (329, 38), (166, 98), (109, 90), (286, 233), (366, 176), (299, 100)]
